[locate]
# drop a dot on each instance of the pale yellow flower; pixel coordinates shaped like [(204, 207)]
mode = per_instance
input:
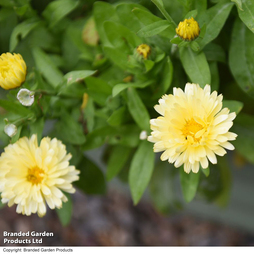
[(188, 29), (193, 127), (12, 70), (32, 176)]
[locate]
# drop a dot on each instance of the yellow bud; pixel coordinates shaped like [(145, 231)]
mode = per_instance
[(12, 70), (85, 100), (128, 79), (144, 50), (188, 29)]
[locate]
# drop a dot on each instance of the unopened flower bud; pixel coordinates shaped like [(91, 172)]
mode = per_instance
[(143, 51), (13, 70), (10, 130), (25, 97), (188, 29), (143, 135)]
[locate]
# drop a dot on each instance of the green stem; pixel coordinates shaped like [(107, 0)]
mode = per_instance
[(160, 6), (49, 93), (23, 119)]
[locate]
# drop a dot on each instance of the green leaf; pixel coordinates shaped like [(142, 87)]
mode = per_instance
[(76, 76), (153, 29), (98, 137), (37, 128), (117, 117), (15, 107), (97, 84), (103, 11), (244, 128), (196, 66), (214, 52), (22, 30), (146, 18), (233, 106), (238, 3), (191, 14), (246, 13), (161, 187), (58, 9), (8, 22), (65, 212), (176, 40), (137, 109), (214, 18), (206, 171), (2, 205), (149, 64), (226, 179), (215, 78), (165, 80), (68, 130), (141, 170), (98, 89), (210, 187), (200, 6), (127, 17), (160, 6), (92, 180), (241, 62), (121, 37), (48, 69), (88, 113), (189, 184), (121, 87), (117, 56), (167, 75), (195, 46), (42, 38), (118, 157), (126, 135)]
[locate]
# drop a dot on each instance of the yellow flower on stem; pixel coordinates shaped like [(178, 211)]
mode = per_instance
[(193, 127), (12, 70), (32, 176), (188, 29)]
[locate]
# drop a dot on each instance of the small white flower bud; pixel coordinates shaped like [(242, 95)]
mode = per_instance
[(10, 130), (25, 97), (143, 135)]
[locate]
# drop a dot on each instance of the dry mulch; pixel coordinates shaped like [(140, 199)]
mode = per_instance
[(112, 220)]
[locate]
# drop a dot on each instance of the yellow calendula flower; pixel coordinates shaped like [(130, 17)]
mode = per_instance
[(144, 50), (188, 29), (193, 127), (12, 70), (32, 176)]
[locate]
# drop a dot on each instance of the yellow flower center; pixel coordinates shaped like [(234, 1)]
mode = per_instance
[(35, 175), (144, 50), (188, 29), (191, 129)]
